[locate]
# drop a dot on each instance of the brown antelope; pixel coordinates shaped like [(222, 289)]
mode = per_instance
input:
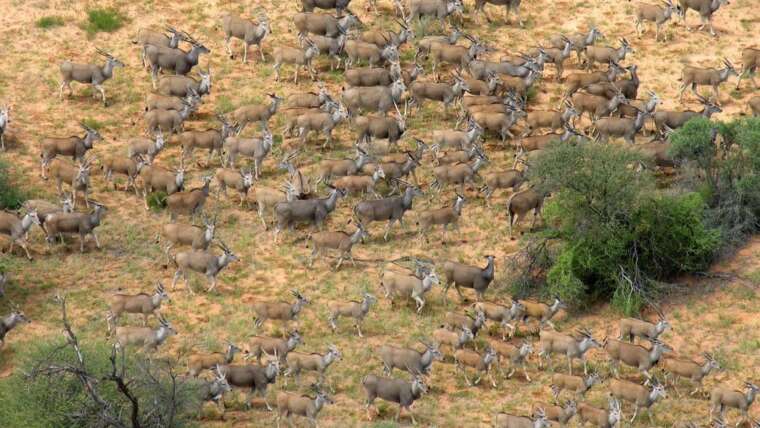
[(141, 303), (695, 76)]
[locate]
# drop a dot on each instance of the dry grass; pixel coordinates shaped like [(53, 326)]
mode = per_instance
[(726, 321)]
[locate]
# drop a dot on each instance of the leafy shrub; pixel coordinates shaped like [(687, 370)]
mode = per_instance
[(59, 400), (11, 196), (157, 201), (49, 22), (105, 20), (617, 235)]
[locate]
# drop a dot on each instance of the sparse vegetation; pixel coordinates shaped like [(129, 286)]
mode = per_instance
[(11, 195), (103, 20), (47, 22)]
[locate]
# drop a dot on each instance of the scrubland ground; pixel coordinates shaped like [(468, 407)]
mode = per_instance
[(715, 314)]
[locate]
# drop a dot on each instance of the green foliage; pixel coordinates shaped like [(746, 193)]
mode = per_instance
[(93, 123), (105, 20), (47, 22), (59, 400), (725, 171), (618, 236), (11, 196), (157, 201)]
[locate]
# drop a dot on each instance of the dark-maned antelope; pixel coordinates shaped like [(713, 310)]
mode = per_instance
[(89, 74), (572, 347), (18, 229), (147, 36), (391, 209), (204, 262), (251, 33), (176, 61), (74, 146), (142, 303), (468, 276), (695, 76), (189, 202), (705, 8), (394, 390), (75, 223), (521, 203)]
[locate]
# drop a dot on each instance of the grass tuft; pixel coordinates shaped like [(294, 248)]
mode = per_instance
[(103, 20), (47, 22)]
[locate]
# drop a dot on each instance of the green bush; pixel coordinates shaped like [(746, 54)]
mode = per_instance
[(49, 22), (59, 400), (11, 196), (618, 237), (105, 20), (726, 172), (157, 201)]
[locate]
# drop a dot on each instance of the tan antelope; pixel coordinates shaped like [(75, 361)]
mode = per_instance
[(204, 262), (635, 356), (600, 418), (516, 356), (690, 369), (641, 396), (580, 385), (75, 223), (353, 309), (658, 14), (632, 327), (196, 363), (551, 342), (695, 76), (142, 303), (144, 337), (277, 310), (299, 361), (503, 314), (750, 62), (76, 176), (18, 229), (721, 398), (481, 363), (341, 241), (559, 414)]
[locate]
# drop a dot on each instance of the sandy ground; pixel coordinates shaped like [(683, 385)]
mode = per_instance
[(710, 314)]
